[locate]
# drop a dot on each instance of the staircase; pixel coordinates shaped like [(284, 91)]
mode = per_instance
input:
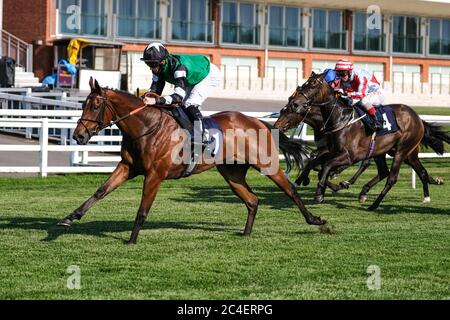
[(25, 79)]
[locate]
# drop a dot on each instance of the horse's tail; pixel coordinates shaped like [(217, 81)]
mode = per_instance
[(296, 152), (434, 137)]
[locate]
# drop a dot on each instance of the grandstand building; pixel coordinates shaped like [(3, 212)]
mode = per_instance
[(260, 45)]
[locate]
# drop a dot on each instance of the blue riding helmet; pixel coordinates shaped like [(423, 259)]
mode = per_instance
[(331, 75)]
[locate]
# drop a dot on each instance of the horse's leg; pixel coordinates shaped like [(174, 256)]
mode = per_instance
[(151, 185), (304, 176), (235, 176), (289, 189), (338, 161), (414, 162), (121, 174), (392, 179), (383, 172), (364, 165)]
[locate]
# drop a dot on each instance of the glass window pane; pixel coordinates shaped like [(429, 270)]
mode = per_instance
[(412, 38), (398, 30), (246, 21), (445, 37), (229, 24), (335, 28), (199, 26), (276, 25), (93, 18), (293, 27), (148, 22), (435, 36), (319, 33), (126, 14), (179, 20)]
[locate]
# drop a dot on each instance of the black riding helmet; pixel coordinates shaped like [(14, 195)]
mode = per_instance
[(154, 54)]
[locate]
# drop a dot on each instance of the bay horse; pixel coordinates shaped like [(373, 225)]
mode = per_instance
[(148, 148), (312, 116), (348, 141)]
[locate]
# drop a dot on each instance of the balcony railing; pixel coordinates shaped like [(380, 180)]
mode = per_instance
[(88, 24), (142, 28), (366, 42), (192, 31), (240, 34), (330, 40), (440, 46), (286, 37), (407, 44), (19, 50)]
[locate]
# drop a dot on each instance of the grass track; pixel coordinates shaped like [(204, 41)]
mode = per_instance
[(190, 247)]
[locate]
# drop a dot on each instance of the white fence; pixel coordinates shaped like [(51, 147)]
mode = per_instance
[(80, 160)]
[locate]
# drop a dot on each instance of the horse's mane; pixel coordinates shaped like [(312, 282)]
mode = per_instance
[(126, 93)]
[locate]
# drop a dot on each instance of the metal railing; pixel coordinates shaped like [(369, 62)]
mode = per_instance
[(286, 37), (407, 44), (329, 40), (19, 50), (141, 28), (195, 31), (240, 34), (367, 42)]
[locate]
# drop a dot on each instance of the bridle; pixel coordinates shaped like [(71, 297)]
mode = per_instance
[(99, 119)]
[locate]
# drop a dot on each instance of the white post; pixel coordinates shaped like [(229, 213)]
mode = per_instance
[(27, 106), (84, 157), (74, 155), (43, 141), (303, 133), (413, 178)]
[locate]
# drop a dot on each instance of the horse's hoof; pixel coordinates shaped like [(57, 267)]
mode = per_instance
[(362, 199), (317, 221), (439, 181), (426, 200), (319, 199), (372, 207), (64, 223), (130, 242), (345, 184)]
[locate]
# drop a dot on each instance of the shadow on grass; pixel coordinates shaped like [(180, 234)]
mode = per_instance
[(104, 228)]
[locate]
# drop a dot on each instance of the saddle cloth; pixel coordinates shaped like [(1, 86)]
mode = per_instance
[(212, 132), (384, 114)]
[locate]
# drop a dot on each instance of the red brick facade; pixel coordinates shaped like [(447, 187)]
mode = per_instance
[(31, 21)]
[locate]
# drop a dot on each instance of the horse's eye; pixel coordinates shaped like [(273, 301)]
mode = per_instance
[(94, 107)]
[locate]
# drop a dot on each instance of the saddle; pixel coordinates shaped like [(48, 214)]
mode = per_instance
[(213, 137)]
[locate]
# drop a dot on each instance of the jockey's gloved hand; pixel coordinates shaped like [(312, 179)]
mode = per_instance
[(340, 92)]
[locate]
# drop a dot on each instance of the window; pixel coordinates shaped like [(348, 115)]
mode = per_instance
[(138, 19), (367, 39), (328, 29), (191, 20), (406, 31), (439, 37), (285, 26), (82, 17), (240, 23)]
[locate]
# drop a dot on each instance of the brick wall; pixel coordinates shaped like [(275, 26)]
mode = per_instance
[(28, 21)]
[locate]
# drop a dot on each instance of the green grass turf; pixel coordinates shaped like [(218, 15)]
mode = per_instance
[(191, 247)]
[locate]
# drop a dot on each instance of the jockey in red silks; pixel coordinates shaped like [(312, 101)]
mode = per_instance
[(361, 85)]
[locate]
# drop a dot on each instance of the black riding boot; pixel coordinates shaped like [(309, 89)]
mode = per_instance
[(196, 117)]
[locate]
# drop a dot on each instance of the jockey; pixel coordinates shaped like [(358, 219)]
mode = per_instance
[(194, 78), (360, 84)]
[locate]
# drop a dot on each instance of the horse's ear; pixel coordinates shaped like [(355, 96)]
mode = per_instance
[(91, 83), (313, 74), (97, 87)]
